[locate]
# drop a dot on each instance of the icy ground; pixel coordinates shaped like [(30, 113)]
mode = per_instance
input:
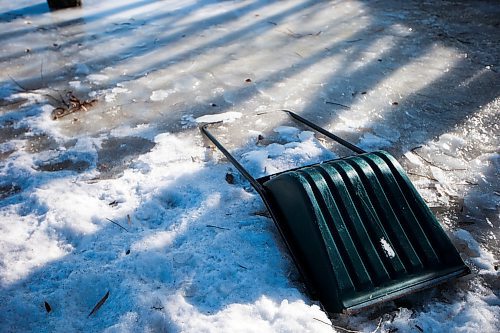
[(128, 198)]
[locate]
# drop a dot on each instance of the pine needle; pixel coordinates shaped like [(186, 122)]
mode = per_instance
[(99, 304), (18, 84), (48, 308), (118, 224), (345, 329)]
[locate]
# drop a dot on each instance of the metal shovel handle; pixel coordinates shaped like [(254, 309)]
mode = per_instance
[(246, 174)]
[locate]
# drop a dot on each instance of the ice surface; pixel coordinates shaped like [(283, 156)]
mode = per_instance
[(126, 197)]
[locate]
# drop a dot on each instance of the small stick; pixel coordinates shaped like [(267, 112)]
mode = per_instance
[(413, 150), (216, 227), (337, 327), (23, 88), (99, 304), (118, 224), (18, 84), (378, 326), (423, 176), (48, 308), (41, 71), (335, 103), (263, 214), (242, 266), (348, 330), (354, 40)]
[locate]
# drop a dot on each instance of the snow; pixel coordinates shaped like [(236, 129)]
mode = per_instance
[(127, 197), (226, 117), (160, 95), (389, 251)]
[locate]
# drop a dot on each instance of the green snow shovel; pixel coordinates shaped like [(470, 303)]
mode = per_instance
[(357, 229)]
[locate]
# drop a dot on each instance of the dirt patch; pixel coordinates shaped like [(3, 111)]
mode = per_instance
[(78, 166), (116, 154), (7, 190)]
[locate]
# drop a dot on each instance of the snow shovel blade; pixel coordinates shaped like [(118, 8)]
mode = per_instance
[(360, 231), (356, 227)]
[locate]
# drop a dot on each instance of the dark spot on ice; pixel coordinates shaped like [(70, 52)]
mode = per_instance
[(8, 133), (171, 200), (48, 308), (363, 93), (116, 154), (7, 190), (40, 142), (70, 165), (127, 252), (248, 80), (379, 59), (213, 104), (395, 103), (229, 178)]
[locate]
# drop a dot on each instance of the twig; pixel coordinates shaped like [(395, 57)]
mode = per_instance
[(118, 224), (55, 99), (423, 176), (335, 103), (242, 266), (354, 40), (41, 72), (157, 308), (337, 327), (264, 213), (18, 84), (48, 308), (348, 330), (216, 227), (414, 150), (378, 326), (290, 33), (23, 88), (99, 304)]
